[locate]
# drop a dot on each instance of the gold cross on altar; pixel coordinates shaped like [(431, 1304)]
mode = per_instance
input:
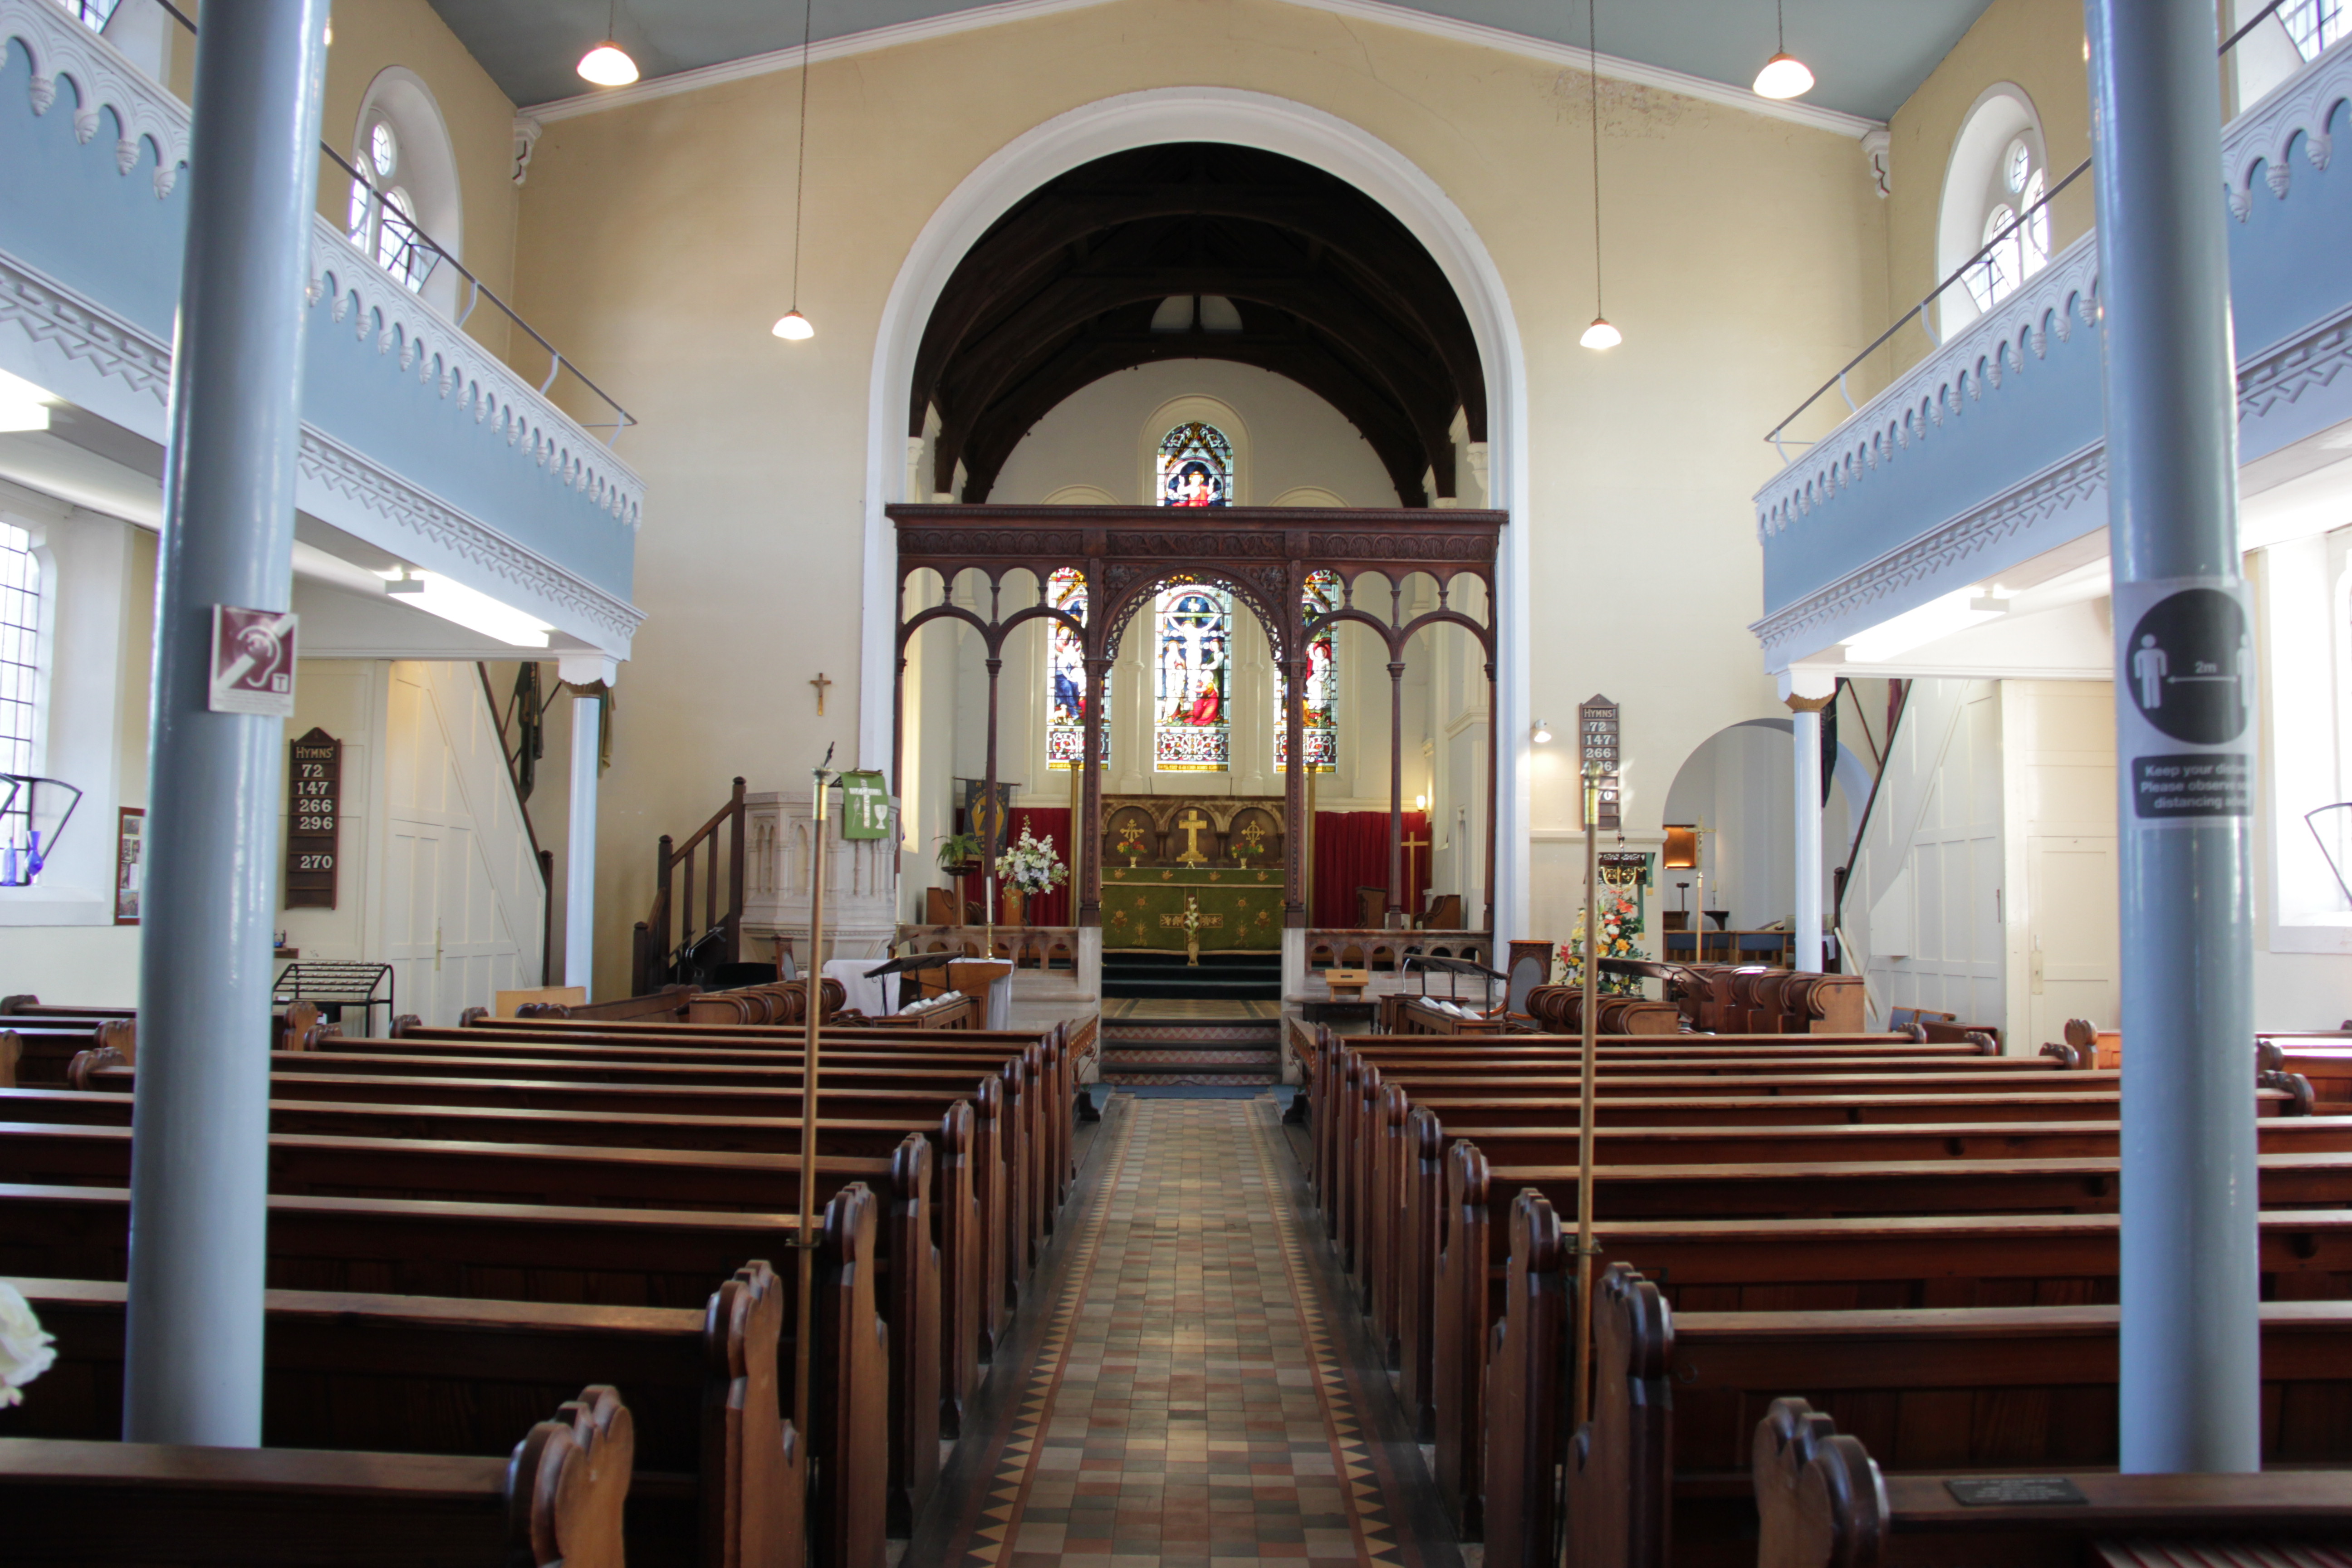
[(1256, 833), (821, 683), (1191, 822)]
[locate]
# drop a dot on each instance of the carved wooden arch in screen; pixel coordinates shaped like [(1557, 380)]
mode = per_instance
[(1262, 555)]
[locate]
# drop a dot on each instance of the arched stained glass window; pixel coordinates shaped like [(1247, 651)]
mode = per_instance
[(1321, 716), (1066, 678), (1196, 466), (1193, 651)]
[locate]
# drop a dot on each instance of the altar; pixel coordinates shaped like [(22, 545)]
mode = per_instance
[(1240, 909)]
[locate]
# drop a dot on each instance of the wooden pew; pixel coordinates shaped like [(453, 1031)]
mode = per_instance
[(1822, 1503), (907, 1294), (1676, 1399), (1463, 1305), (967, 1329), (1422, 1223), (514, 1252), (719, 1477), (557, 1500), (1004, 1135)]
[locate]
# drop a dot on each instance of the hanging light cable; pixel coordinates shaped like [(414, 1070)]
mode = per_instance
[(1601, 334), (608, 64), (1784, 74), (791, 326)]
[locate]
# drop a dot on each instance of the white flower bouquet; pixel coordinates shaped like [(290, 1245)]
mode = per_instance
[(24, 1351), (1030, 866)]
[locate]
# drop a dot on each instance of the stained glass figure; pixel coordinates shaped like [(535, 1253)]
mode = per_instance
[(1196, 466), (1320, 717), (1190, 731), (1066, 678)]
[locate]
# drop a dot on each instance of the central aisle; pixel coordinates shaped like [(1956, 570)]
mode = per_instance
[(1188, 1406)]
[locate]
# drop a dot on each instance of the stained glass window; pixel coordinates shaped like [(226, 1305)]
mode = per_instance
[(1196, 466), (1066, 678), (1322, 717), (1190, 733)]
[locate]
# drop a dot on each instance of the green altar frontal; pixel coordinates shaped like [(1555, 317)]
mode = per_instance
[(1143, 907)]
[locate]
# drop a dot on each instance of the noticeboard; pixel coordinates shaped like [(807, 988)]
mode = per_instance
[(314, 788)]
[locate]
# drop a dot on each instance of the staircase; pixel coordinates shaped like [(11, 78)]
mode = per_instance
[(1167, 1023)]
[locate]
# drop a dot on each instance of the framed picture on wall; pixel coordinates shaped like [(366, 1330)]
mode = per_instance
[(130, 863)]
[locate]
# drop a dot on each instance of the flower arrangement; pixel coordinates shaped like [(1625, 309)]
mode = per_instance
[(1621, 923), (1030, 866), (24, 1351)]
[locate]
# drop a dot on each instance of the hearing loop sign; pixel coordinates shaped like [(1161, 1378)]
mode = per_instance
[(2185, 658)]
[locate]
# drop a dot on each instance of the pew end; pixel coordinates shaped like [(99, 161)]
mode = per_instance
[(1823, 1503)]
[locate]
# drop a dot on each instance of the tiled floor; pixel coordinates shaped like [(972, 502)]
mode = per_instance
[(1188, 1406)]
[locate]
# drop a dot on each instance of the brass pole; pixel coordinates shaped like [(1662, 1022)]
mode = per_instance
[(813, 987), (1580, 1346)]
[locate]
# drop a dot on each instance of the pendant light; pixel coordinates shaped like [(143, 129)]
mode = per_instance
[(1784, 74), (608, 64), (791, 326), (1601, 334)]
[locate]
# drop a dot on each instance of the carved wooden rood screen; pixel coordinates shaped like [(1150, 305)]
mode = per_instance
[(1263, 557)]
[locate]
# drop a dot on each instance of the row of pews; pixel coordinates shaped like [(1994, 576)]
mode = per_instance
[(587, 1220), (1915, 1242), (1704, 998)]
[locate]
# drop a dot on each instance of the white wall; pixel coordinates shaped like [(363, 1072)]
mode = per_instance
[(2059, 904), (1295, 438), (1922, 913), (2302, 956)]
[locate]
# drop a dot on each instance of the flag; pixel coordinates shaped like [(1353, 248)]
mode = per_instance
[(864, 806)]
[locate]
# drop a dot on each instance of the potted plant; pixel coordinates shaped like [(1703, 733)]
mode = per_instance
[(959, 853)]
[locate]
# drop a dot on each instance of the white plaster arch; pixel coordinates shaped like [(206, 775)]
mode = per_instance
[(2002, 113), (1080, 495), (1313, 136), (1208, 410), (427, 169), (1308, 495)]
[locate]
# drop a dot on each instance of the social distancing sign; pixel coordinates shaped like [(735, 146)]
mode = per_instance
[(2185, 658)]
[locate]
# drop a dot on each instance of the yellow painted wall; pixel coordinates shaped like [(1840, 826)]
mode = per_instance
[(1746, 260), (2038, 46), (371, 34)]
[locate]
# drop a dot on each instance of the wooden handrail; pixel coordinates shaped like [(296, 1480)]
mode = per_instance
[(656, 955)]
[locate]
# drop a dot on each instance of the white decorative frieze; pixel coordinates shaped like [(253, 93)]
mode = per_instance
[(2264, 136), (48, 312), (98, 81), (1937, 389)]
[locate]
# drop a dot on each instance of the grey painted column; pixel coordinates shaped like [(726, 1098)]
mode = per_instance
[(2190, 1395), (1806, 713), (200, 1170), (589, 676)]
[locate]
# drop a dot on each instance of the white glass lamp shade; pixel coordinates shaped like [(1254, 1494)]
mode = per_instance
[(795, 328), (1783, 76), (1601, 334), (608, 65)]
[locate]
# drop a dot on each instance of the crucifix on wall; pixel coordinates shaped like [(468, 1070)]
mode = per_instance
[(821, 683), (1412, 844)]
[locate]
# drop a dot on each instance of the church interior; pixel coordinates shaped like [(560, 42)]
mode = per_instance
[(1157, 783)]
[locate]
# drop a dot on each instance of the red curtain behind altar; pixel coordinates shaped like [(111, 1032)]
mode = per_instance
[(1351, 851), (1056, 908)]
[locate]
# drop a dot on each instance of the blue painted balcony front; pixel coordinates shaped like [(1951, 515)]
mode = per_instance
[(1991, 450), (416, 439)]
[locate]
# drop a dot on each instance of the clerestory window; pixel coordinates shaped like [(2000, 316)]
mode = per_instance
[(2014, 250), (382, 217), (92, 13), (20, 679)]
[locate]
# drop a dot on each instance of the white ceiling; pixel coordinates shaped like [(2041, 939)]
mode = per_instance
[(1866, 55)]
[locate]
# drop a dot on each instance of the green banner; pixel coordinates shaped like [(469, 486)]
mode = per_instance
[(864, 806)]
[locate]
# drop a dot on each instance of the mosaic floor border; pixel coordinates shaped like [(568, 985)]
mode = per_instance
[(1243, 1236)]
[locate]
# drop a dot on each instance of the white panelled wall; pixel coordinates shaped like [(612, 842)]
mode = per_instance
[(439, 878)]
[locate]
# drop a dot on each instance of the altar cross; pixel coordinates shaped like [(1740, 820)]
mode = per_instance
[(1191, 822), (1410, 844), (821, 683)]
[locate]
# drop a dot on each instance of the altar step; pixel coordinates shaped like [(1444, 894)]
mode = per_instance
[(1189, 1049), (1223, 976)]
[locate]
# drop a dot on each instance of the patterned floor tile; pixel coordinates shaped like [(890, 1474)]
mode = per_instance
[(1188, 1406)]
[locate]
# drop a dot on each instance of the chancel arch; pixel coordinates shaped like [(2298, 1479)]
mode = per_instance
[(1335, 147)]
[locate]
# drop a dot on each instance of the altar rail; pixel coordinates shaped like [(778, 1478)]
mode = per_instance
[(1376, 947), (1029, 947)]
